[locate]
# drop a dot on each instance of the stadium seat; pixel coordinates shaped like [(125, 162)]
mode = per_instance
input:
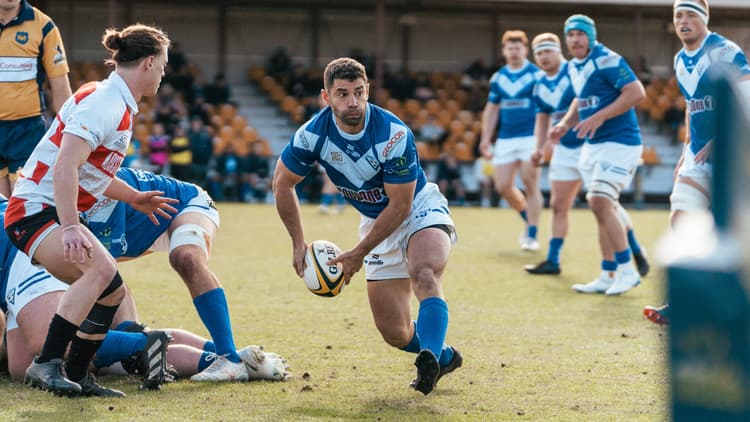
[(428, 152), (227, 113)]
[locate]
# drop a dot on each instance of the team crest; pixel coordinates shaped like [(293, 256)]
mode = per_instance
[(336, 157), (59, 56), (22, 37)]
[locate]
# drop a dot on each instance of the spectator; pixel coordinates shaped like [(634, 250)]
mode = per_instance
[(180, 155), (134, 157), (674, 116), (255, 179), (168, 109), (449, 178), (279, 63), (296, 80), (177, 59), (431, 132), (158, 142), (201, 147), (218, 92), (198, 110), (402, 86), (225, 175)]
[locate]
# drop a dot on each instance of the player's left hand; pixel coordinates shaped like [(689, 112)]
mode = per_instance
[(586, 128), (351, 262), (702, 155), (152, 203)]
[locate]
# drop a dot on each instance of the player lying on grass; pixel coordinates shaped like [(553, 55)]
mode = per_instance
[(133, 237)]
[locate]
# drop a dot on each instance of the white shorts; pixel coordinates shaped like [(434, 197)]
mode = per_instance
[(197, 204), (700, 173), (510, 150), (387, 261), (564, 164), (610, 165), (27, 282)]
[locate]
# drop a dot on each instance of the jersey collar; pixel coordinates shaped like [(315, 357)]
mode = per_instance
[(692, 53), (353, 136), (117, 81)]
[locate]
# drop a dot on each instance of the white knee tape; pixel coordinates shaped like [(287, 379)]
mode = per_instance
[(603, 189), (687, 198), (623, 215), (190, 234)]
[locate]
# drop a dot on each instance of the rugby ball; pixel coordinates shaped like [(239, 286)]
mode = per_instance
[(323, 280)]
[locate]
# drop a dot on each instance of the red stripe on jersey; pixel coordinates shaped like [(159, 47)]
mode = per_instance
[(40, 170), (85, 199), (84, 91), (32, 239), (106, 160), (125, 121), (56, 137), (15, 211)]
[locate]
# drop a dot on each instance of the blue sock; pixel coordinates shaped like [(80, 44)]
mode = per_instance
[(209, 346), (124, 325), (118, 345), (610, 266), (326, 199), (633, 243), (214, 312), (446, 354), (432, 324), (207, 358), (622, 257), (524, 216), (340, 198), (555, 246), (531, 232)]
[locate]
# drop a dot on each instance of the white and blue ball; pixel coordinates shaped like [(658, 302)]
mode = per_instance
[(321, 279)]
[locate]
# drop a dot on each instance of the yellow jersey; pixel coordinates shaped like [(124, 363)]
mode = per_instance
[(31, 49)]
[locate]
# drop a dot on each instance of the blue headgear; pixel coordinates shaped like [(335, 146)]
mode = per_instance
[(582, 23)]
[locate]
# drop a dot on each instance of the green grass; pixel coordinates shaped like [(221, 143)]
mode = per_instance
[(533, 349)]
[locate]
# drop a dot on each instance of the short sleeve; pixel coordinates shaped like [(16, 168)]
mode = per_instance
[(299, 154), (616, 70), (495, 95), (54, 60), (92, 121), (399, 156)]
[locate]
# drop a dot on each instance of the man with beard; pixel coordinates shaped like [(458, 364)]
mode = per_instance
[(406, 232)]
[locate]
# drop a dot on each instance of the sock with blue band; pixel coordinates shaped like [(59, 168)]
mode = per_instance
[(214, 312)]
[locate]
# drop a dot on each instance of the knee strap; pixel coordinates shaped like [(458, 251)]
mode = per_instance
[(113, 285), (190, 234), (99, 319)]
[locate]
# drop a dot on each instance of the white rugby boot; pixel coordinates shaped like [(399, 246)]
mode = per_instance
[(530, 244), (263, 365), (600, 284), (223, 370), (627, 278)]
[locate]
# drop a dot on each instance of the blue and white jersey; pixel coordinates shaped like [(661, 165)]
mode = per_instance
[(358, 164), (597, 81), (690, 68), (7, 254), (513, 90), (125, 232), (552, 96)]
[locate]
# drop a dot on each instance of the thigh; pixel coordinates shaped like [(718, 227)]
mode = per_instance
[(564, 192), (390, 303), (428, 249), (505, 173), (530, 175), (34, 319), (19, 357)]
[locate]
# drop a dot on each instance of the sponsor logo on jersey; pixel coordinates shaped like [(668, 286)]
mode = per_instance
[(392, 142), (699, 105), (112, 163), (515, 103), (22, 37), (59, 56), (352, 151), (371, 196), (589, 102)]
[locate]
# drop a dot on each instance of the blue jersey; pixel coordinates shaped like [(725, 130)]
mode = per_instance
[(513, 91), (358, 164), (552, 96), (597, 81), (125, 232), (690, 68), (7, 254)]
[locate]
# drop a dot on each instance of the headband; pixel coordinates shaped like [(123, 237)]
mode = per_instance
[(693, 7), (546, 45)]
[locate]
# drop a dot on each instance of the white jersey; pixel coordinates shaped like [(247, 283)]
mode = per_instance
[(102, 114)]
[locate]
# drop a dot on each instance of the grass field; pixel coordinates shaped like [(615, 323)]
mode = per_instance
[(533, 349)]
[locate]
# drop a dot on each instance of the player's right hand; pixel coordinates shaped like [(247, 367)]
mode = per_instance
[(556, 132), (298, 258), (485, 147), (77, 247)]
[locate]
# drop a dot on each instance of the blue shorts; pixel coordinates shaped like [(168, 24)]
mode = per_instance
[(18, 138)]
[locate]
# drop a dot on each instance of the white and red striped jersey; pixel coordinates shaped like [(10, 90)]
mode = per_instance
[(102, 114)]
